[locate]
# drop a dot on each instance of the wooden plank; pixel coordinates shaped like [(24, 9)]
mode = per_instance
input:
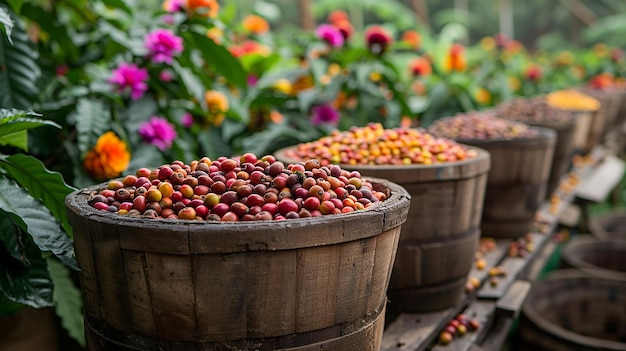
[(139, 300), (492, 258), (497, 335), (270, 299), (603, 179), (415, 331), (512, 266), (510, 304), (481, 310)]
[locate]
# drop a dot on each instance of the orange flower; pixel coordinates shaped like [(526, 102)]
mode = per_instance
[(413, 38), (255, 24), (338, 15), (513, 47), (206, 8), (276, 117), (420, 66), (249, 47), (108, 158), (455, 60), (345, 28)]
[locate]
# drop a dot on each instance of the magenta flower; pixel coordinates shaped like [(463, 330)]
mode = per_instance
[(324, 114), (166, 76), (130, 77), (186, 120), (330, 34), (158, 132), (162, 45)]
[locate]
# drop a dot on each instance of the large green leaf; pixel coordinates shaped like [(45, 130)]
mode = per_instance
[(92, 120), (17, 139), (67, 301), (26, 285), (42, 184), (11, 237), (220, 59), (7, 22), (35, 219), (18, 79), (24, 124)]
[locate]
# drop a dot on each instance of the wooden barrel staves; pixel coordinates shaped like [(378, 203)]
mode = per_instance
[(571, 310), (440, 237), (517, 182), (304, 284), (605, 258)]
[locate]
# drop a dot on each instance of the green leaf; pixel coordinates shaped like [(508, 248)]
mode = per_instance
[(18, 80), (42, 184), (92, 120), (67, 301), (17, 139), (220, 59), (8, 307), (192, 83), (7, 22), (36, 220), (10, 235), (118, 4), (22, 124), (26, 285), (16, 5)]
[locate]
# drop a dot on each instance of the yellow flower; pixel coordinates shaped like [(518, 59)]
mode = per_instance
[(215, 34), (455, 60), (488, 43), (564, 58), (601, 50), (108, 158), (283, 85), (255, 24), (375, 76), (216, 101), (514, 83), (482, 96), (334, 69)]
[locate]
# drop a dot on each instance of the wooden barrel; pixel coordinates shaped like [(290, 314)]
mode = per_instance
[(582, 132), (563, 147), (440, 237), (609, 226), (303, 284), (517, 182), (605, 258), (571, 310)]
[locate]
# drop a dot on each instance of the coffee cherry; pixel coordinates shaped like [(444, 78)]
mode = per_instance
[(227, 189)]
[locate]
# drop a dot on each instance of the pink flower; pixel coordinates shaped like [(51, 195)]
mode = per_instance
[(166, 76), (130, 77), (324, 114), (162, 45), (186, 120), (330, 34), (158, 132)]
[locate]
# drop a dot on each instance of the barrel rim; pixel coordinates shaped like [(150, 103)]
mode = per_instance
[(558, 331), (580, 242), (271, 235), (597, 225), (545, 134)]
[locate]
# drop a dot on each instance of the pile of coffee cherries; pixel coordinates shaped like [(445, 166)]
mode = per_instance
[(480, 125), (457, 327), (375, 145), (237, 189), (532, 111)]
